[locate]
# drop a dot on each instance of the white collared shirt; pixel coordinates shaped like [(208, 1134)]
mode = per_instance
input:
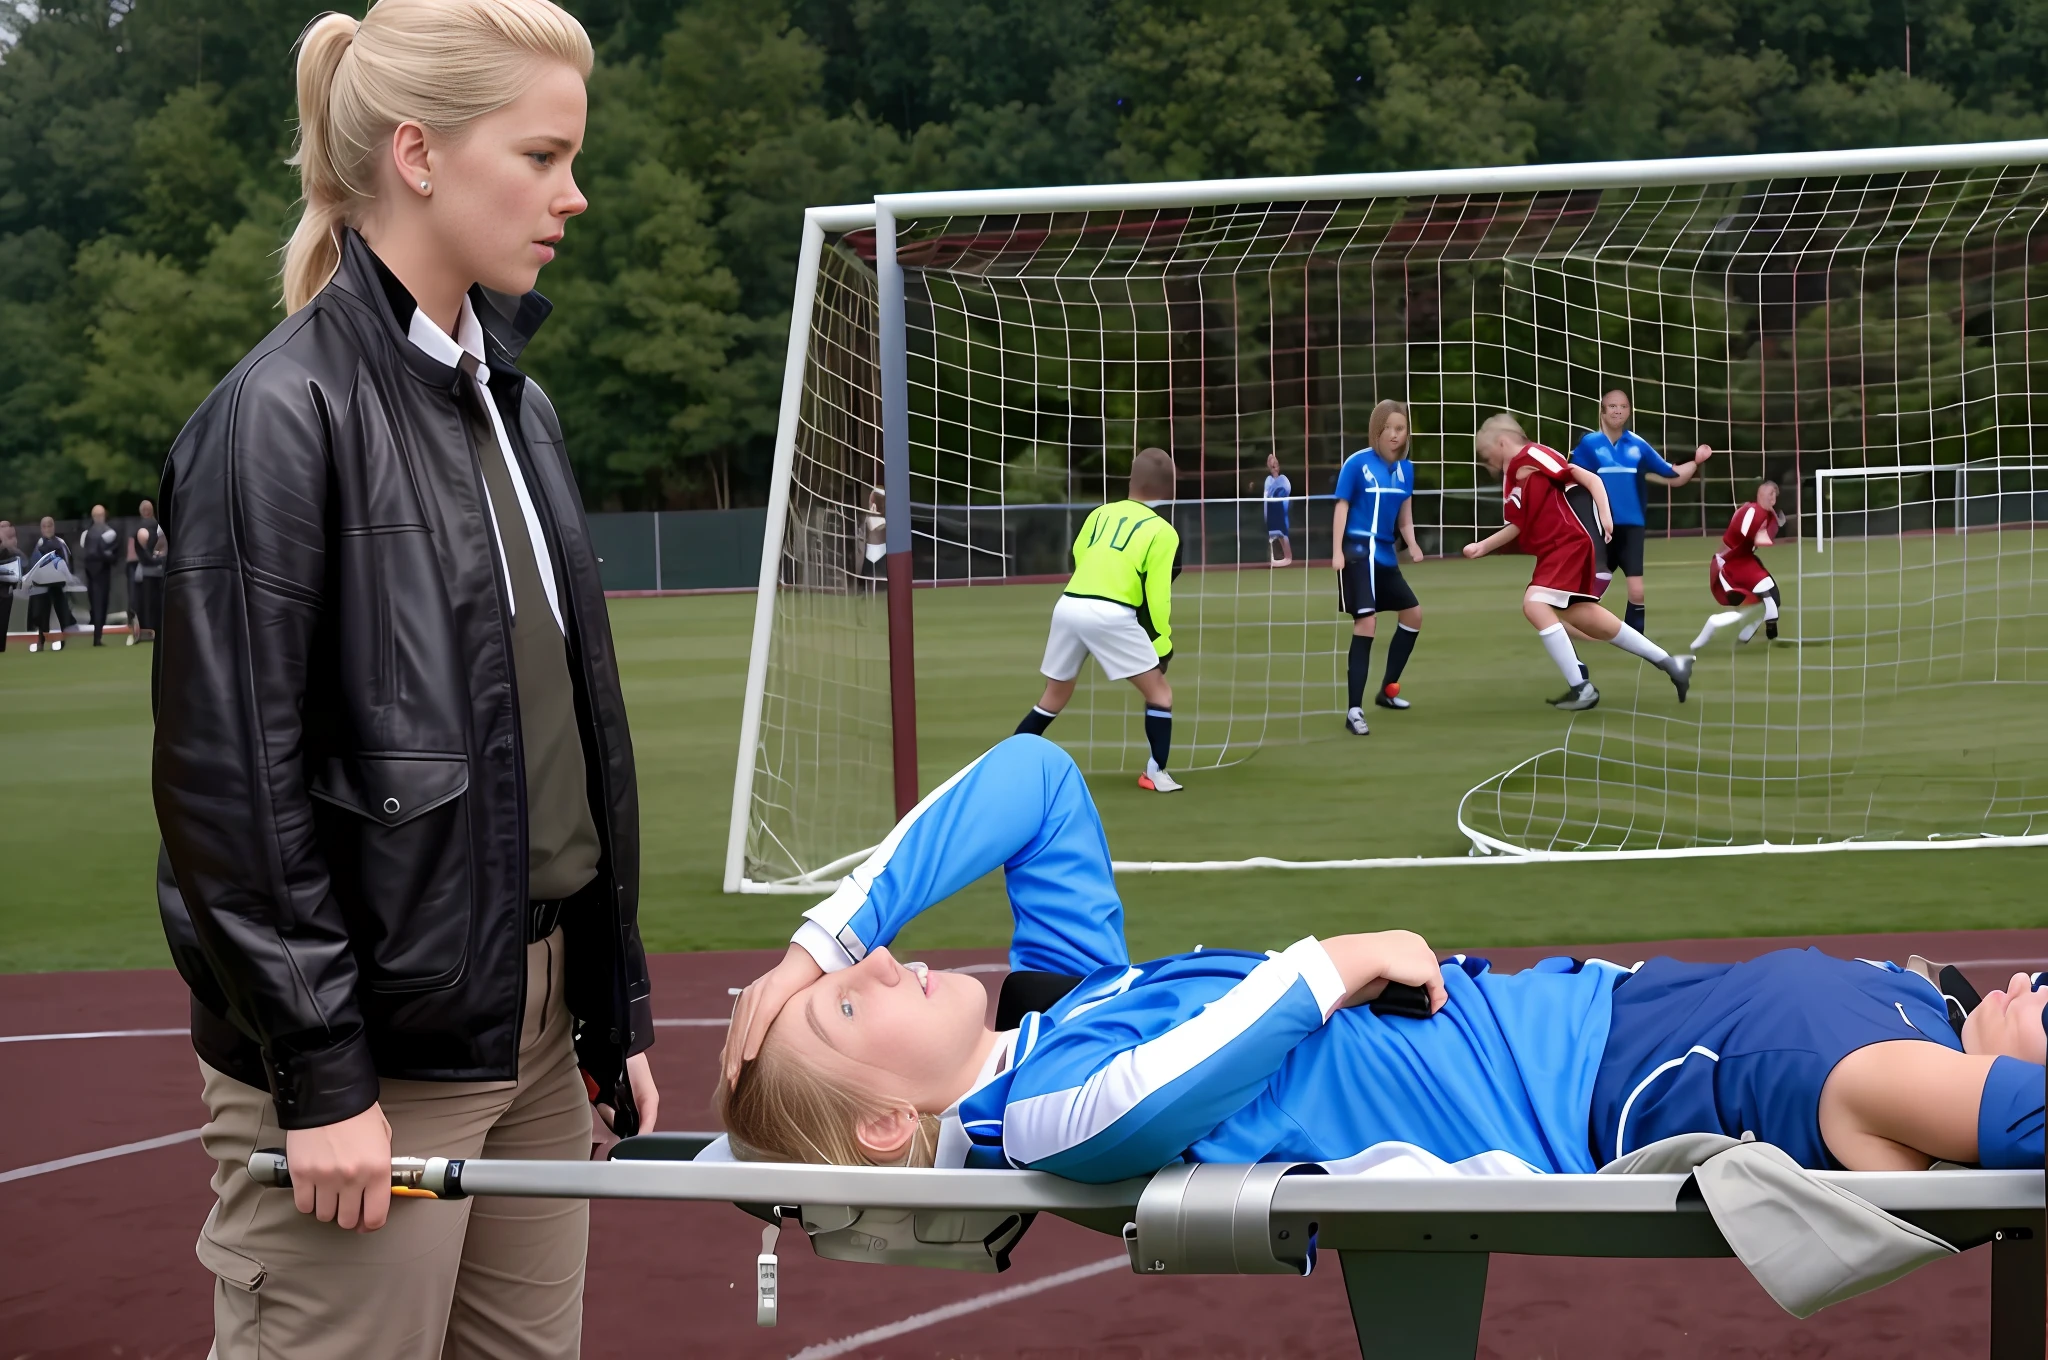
[(432, 341)]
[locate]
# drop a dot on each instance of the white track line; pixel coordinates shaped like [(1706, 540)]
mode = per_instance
[(95, 1034), (919, 1321), (22, 1173)]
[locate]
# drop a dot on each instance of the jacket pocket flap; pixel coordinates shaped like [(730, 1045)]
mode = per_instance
[(391, 789)]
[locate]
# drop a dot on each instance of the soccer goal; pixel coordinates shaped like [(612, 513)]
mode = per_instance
[(970, 373)]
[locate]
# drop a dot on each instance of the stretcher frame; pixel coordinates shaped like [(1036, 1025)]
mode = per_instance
[(1413, 1251)]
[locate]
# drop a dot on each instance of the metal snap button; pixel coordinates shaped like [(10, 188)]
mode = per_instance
[(391, 805)]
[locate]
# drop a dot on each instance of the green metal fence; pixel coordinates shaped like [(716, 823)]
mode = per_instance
[(680, 549)]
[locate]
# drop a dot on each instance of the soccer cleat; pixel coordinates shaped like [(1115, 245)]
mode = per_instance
[(1577, 699), (57, 644), (35, 647), (1390, 697), (1354, 723), (131, 638), (1157, 780), (1679, 668), (1725, 619), (1771, 629)]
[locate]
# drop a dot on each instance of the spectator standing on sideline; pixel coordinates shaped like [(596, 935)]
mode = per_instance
[(392, 770), (146, 555), (98, 546), (1279, 547), (10, 576), (49, 573)]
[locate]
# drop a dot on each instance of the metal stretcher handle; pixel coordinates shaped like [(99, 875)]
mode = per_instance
[(416, 1177)]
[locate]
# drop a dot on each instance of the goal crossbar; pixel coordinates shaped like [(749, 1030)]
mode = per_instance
[(1503, 179)]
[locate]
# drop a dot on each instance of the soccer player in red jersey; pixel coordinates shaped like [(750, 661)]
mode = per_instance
[(1563, 533), (1737, 576)]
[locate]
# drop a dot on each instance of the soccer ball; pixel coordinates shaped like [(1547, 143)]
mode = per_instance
[(1394, 690)]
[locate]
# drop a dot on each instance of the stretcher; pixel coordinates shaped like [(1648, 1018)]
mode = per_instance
[(1413, 1251)]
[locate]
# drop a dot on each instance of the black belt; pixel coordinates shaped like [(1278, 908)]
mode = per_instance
[(542, 918)]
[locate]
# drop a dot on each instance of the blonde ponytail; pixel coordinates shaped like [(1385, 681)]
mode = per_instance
[(315, 248), (440, 63)]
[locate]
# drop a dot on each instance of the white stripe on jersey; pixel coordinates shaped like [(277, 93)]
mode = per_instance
[(1039, 1127), (1544, 456), (1748, 514)]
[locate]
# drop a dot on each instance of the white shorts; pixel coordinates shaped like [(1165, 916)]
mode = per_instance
[(1103, 629)]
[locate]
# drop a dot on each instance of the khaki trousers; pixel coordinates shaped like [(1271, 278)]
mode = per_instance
[(472, 1278)]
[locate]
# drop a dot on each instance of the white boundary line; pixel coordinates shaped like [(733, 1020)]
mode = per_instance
[(22, 1173), (919, 1321), (1500, 852)]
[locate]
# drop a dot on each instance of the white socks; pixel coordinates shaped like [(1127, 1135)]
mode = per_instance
[(1559, 644), (1770, 607), (1635, 644)]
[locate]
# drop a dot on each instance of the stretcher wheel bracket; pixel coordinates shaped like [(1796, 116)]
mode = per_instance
[(1218, 1219)]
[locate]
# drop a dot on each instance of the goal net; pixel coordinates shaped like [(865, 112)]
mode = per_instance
[(1809, 314), (1900, 705)]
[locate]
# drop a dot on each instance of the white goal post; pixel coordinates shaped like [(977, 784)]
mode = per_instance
[(969, 372)]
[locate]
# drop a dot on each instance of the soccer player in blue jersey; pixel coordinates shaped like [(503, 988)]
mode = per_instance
[(1279, 545), (1625, 461), (1374, 488), (841, 1054)]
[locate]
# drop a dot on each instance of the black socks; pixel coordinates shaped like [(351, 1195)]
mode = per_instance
[(1158, 729), (1159, 733), (1398, 652), (1634, 617), (1359, 664)]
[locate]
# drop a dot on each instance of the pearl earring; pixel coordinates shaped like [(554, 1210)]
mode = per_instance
[(425, 187)]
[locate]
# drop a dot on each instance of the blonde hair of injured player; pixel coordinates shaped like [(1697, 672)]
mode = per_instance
[(853, 1068)]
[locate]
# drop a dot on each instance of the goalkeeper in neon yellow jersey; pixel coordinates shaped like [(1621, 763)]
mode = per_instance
[(1118, 608)]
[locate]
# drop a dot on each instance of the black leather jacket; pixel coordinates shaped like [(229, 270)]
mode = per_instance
[(337, 771)]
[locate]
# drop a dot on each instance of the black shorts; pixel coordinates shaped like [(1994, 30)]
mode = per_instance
[(1624, 552), (1366, 587)]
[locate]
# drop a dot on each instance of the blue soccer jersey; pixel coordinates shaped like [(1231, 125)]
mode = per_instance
[(1278, 489), (1213, 1055), (1622, 464), (1376, 490)]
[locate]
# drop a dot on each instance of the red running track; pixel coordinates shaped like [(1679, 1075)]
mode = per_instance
[(98, 1259)]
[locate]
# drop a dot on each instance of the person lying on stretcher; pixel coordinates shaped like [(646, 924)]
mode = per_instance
[(841, 1054)]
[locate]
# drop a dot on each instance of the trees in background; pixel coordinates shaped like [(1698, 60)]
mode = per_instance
[(143, 190)]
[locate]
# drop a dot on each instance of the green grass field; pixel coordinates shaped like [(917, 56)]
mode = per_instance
[(78, 842)]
